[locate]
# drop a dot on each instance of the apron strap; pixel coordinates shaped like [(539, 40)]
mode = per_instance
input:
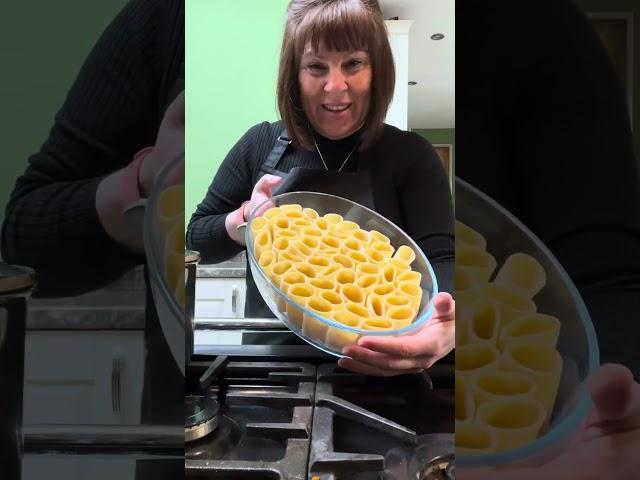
[(282, 143)]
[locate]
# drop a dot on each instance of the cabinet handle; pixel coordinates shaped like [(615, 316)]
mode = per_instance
[(234, 299), (116, 375)]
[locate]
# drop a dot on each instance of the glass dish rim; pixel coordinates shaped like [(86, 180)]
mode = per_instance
[(156, 260)]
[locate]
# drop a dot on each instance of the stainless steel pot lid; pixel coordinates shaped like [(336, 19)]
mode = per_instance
[(191, 256), (440, 468), (14, 278), (201, 417), (199, 409)]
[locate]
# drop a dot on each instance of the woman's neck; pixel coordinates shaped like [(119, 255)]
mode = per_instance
[(336, 145), (335, 152)]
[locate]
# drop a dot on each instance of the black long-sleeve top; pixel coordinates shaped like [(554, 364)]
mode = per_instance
[(407, 177), (542, 127), (113, 109)]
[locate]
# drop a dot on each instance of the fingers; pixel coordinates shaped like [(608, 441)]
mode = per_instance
[(366, 369), (262, 192), (406, 352), (385, 361), (274, 180), (616, 399), (266, 184), (408, 346), (445, 307)]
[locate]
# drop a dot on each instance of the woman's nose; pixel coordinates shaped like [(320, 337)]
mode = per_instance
[(336, 82)]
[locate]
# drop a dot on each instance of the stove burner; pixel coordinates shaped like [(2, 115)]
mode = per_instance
[(201, 417), (223, 440), (440, 468)]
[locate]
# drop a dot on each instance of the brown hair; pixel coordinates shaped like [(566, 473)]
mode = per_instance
[(339, 25)]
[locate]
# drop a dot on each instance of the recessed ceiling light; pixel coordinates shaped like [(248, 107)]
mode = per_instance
[(437, 36), (412, 82)]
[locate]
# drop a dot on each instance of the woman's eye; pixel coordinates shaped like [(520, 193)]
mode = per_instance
[(316, 67), (354, 63)]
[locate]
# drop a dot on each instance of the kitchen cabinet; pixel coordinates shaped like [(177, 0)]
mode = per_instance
[(83, 377), (398, 113), (220, 297)]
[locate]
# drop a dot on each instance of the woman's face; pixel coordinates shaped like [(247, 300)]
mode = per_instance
[(335, 88)]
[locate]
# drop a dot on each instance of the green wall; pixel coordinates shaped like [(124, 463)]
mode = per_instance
[(232, 50), (624, 6), (441, 135), (438, 135), (42, 46)]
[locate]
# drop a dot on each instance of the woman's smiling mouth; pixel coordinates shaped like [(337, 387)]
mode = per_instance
[(336, 107)]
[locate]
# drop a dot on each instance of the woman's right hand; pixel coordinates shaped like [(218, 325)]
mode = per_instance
[(262, 191), (605, 446)]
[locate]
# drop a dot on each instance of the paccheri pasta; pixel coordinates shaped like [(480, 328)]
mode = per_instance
[(507, 364), (170, 218), (337, 270)]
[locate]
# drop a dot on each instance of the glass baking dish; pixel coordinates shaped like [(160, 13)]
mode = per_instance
[(331, 332)]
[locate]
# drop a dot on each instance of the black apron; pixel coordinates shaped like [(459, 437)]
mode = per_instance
[(355, 186)]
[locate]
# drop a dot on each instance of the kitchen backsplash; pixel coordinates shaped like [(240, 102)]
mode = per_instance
[(119, 306)]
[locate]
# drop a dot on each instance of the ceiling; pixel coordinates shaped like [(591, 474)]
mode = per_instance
[(431, 63)]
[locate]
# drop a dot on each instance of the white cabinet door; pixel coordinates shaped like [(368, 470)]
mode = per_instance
[(398, 113), (220, 297), (83, 377)]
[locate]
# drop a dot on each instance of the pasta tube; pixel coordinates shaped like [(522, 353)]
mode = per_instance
[(523, 273), (533, 327), (479, 263), (492, 385), (474, 439), (400, 316), (465, 404), (312, 326), (476, 359), (513, 421), (338, 338), (484, 323), (541, 361), (299, 293)]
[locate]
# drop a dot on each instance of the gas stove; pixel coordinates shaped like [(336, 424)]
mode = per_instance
[(283, 420)]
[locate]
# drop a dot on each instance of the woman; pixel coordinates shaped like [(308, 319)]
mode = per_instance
[(335, 84)]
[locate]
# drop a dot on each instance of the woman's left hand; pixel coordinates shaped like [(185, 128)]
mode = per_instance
[(386, 356)]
